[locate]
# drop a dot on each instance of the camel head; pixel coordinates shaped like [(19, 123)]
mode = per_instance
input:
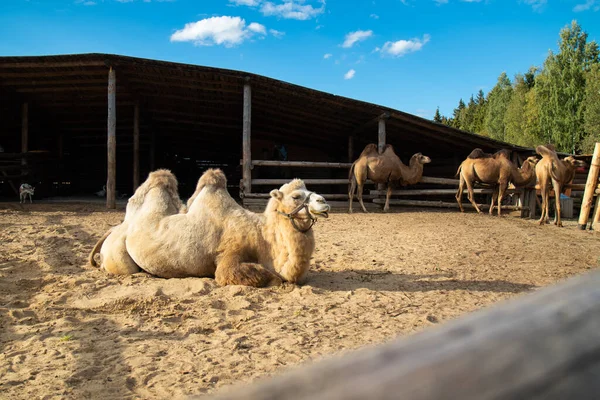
[(420, 158), (532, 161), (294, 201), (573, 162)]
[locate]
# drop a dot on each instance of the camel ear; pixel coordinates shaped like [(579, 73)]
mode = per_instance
[(276, 194)]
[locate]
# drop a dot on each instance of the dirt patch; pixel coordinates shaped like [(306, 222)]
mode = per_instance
[(68, 330)]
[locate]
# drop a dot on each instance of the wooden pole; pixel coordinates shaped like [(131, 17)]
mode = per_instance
[(590, 188), (112, 140), (381, 143), (246, 140), (381, 135), (543, 345), (350, 149), (596, 219), (136, 147), (24, 134)]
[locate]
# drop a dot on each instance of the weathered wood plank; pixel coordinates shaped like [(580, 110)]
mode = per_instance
[(306, 164), (541, 346), (435, 192), (111, 141), (246, 140), (440, 204), (590, 188), (24, 133)]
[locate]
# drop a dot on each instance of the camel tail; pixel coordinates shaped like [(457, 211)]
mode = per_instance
[(97, 248), (458, 170)]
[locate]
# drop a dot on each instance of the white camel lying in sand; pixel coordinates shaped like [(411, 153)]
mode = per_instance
[(216, 236)]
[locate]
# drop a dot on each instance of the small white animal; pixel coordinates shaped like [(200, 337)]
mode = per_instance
[(26, 190), (101, 193)]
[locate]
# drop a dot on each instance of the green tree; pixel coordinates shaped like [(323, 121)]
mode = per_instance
[(457, 121), (479, 114), (437, 117), (497, 102), (514, 123), (591, 114), (467, 116), (562, 86)]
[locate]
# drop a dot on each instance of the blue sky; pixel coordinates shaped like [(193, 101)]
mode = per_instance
[(412, 55)]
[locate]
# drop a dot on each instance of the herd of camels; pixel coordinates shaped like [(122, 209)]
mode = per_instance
[(213, 236), (495, 169)]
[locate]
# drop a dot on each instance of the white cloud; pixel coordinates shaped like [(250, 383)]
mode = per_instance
[(257, 28), (349, 74), (537, 5), (439, 2), (328, 55), (249, 3), (470, 1), (354, 37), (276, 33), (402, 47), (374, 16), (86, 2), (589, 4), (292, 9), (228, 31)]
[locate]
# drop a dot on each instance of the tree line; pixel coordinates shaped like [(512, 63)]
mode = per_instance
[(557, 103)]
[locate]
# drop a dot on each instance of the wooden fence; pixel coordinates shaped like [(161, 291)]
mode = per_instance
[(545, 345)]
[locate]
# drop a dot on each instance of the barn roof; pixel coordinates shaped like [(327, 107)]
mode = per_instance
[(203, 105)]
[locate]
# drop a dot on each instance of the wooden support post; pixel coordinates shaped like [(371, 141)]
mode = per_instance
[(350, 149), (596, 220), (24, 134), (381, 135), (590, 188), (246, 140), (136, 147), (112, 140), (381, 141)]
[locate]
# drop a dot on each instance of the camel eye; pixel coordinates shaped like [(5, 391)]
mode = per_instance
[(297, 197)]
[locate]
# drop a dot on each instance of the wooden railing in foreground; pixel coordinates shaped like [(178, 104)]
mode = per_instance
[(545, 345)]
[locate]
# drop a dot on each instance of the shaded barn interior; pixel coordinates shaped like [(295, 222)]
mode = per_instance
[(53, 126)]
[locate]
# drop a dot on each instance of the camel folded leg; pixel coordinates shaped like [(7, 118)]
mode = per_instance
[(230, 271)]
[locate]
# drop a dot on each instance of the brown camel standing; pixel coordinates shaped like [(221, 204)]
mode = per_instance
[(559, 172), (493, 169), (383, 168)]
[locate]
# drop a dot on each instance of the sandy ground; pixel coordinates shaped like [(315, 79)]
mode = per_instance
[(68, 330)]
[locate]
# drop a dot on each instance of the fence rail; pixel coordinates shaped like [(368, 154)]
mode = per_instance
[(541, 346)]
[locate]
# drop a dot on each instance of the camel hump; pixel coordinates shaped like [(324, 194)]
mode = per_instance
[(213, 177), (478, 153), (502, 153), (370, 149), (162, 177)]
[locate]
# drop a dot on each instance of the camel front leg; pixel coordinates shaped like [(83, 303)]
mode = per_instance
[(472, 195), (230, 271), (557, 207), (387, 198), (360, 199)]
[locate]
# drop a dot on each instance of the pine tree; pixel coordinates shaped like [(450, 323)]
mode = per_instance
[(498, 100), (437, 117), (457, 115), (513, 118)]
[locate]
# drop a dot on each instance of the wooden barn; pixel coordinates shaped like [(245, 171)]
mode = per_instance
[(70, 124)]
